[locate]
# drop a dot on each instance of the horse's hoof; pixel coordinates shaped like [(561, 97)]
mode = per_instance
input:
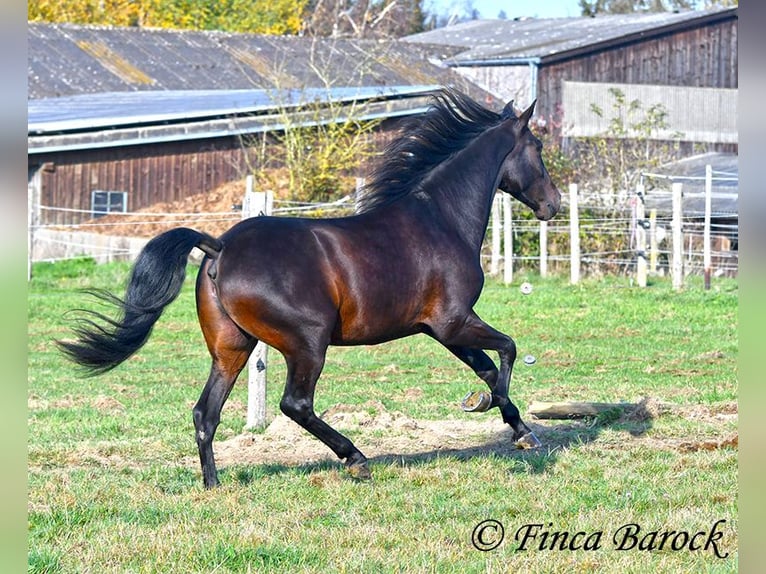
[(476, 402), (359, 471), (528, 440)]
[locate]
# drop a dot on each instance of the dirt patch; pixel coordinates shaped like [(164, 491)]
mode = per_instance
[(100, 402), (379, 432)]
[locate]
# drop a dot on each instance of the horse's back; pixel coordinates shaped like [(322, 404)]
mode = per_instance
[(349, 276)]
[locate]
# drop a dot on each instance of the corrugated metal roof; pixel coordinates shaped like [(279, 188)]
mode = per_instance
[(116, 109), (483, 41), (134, 118), (690, 172), (97, 86), (66, 60)]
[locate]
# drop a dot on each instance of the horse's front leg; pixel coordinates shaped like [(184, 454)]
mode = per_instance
[(466, 343)]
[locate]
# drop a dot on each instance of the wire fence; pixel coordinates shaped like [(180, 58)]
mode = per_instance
[(609, 226)]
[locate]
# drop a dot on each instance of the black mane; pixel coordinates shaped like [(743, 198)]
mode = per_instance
[(451, 122)]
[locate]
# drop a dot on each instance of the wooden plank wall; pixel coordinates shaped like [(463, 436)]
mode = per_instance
[(700, 57), (150, 174)]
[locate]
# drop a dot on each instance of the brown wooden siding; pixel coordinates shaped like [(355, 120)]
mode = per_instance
[(699, 57), (149, 174)]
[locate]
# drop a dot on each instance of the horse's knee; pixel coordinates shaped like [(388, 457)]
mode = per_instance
[(509, 348), (298, 410)]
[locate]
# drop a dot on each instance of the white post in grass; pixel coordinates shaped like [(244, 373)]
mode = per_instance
[(706, 247), (640, 237), (494, 262), (256, 203), (678, 238), (543, 248), (653, 247), (574, 235), (507, 240)]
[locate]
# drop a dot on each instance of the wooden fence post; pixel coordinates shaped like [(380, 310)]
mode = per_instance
[(33, 216), (507, 240), (678, 239), (254, 204), (640, 237), (574, 235)]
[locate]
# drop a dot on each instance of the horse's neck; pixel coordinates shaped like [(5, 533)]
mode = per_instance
[(465, 186)]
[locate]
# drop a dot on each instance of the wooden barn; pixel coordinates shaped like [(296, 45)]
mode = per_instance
[(121, 118), (122, 151), (569, 64)]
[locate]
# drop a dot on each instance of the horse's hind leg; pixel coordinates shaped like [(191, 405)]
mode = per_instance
[(303, 370), (227, 364), (230, 348)]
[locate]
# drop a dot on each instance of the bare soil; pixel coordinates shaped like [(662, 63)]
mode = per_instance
[(381, 433)]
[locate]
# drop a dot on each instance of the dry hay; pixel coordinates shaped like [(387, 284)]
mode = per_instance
[(218, 209)]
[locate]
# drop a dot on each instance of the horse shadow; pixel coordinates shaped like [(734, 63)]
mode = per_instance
[(557, 437)]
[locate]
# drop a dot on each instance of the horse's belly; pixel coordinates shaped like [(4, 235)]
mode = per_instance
[(382, 315)]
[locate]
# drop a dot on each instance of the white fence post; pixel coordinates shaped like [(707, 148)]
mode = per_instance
[(706, 248), (678, 239), (494, 262), (640, 237), (33, 215), (507, 240), (653, 247), (254, 204), (543, 249), (574, 235)]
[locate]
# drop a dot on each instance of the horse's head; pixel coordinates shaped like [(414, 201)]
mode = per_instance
[(523, 172)]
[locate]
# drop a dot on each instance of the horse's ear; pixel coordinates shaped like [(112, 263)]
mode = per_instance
[(527, 114), (508, 111)]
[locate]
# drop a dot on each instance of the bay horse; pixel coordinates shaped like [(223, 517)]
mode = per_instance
[(407, 262)]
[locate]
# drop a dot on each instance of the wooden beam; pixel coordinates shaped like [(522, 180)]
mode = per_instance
[(573, 410)]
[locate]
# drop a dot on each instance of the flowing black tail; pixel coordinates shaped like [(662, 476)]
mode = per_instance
[(155, 281)]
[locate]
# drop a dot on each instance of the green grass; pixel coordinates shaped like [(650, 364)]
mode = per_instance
[(113, 485)]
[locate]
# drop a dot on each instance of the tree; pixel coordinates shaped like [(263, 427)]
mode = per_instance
[(614, 161), (365, 18), (594, 7), (321, 142), (254, 16)]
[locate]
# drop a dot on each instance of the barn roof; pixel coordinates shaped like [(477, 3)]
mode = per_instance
[(691, 173), (114, 119), (546, 40), (101, 86), (68, 59)]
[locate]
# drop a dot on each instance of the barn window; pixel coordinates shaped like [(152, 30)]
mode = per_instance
[(103, 202)]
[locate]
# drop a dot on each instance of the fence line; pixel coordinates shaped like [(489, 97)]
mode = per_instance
[(595, 222)]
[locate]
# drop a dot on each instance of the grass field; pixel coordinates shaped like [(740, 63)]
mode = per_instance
[(114, 483)]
